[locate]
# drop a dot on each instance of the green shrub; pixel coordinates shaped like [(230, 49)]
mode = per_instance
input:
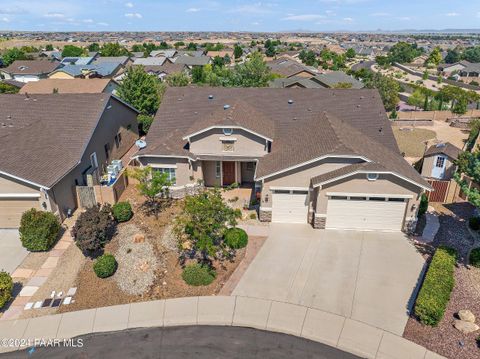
[(6, 287), (253, 215), (422, 208), (93, 229), (105, 266), (438, 284), (236, 238), (122, 211), (475, 257), (474, 223), (196, 274), (38, 230)]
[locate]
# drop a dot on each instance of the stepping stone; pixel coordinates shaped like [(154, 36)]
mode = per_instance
[(51, 262), (28, 291), (37, 281), (43, 272), (67, 300), (71, 292), (37, 305), (22, 273), (28, 306)]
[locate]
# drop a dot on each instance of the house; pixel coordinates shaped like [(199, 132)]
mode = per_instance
[(101, 70), (295, 82), (48, 86), (288, 68), (150, 61), (196, 53), (125, 61), (163, 53), (54, 55), (53, 143), (439, 161), (448, 69), (164, 70), (336, 79), (83, 60), (192, 61), (29, 70), (322, 156), (471, 70)]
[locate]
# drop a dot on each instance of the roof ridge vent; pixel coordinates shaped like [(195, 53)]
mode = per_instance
[(210, 97), (290, 101)]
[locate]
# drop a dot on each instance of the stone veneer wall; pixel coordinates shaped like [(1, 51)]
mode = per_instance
[(319, 222), (264, 216)]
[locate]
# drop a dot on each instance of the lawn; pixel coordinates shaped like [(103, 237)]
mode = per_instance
[(411, 141)]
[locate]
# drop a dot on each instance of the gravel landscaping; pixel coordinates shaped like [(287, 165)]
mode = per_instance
[(136, 259), (444, 338)]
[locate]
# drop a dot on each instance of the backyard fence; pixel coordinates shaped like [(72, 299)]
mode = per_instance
[(86, 196)]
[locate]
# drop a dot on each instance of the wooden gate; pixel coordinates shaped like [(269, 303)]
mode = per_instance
[(440, 191), (86, 196)]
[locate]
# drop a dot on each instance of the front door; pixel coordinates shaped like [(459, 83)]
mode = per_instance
[(228, 168)]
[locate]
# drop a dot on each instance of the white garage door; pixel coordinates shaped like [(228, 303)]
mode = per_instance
[(11, 210), (290, 206), (365, 213)]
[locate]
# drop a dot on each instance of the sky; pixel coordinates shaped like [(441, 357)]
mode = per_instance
[(235, 15)]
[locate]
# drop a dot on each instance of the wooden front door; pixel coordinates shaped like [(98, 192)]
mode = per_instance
[(228, 173)]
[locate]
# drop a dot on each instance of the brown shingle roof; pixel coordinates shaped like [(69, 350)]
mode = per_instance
[(31, 67), (287, 67), (47, 86), (305, 123), (43, 136), (447, 148)]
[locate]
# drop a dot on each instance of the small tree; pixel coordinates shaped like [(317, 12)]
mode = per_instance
[(201, 226), (237, 51), (11, 55), (350, 53), (93, 229), (178, 79), (141, 90), (153, 185), (144, 123), (72, 51), (113, 49), (38, 230)]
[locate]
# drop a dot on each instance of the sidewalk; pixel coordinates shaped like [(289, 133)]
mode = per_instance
[(345, 334)]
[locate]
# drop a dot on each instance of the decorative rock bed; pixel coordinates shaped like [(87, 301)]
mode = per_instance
[(137, 261)]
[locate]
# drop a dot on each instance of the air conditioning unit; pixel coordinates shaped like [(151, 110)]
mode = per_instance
[(118, 164), (112, 170)]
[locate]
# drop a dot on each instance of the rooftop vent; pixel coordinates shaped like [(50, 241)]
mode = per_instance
[(440, 145), (290, 102), (210, 97), (226, 107)]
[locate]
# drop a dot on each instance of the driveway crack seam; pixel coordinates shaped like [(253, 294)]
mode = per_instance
[(356, 276)]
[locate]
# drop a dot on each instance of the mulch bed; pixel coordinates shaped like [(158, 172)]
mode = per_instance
[(445, 339), (94, 292)]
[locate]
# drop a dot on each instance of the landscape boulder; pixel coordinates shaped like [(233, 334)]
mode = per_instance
[(466, 315), (465, 327)]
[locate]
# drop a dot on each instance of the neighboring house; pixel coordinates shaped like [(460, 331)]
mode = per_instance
[(101, 70), (166, 69), (326, 157), (448, 69), (295, 82), (438, 161), (222, 54), (196, 53), (29, 70), (48, 86), (125, 61), (15, 83), (286, 67), (337, 79), (84, 60), (471, 70), (54, 55), (192, 61), (150, 61), (51, 143), (163, 53)]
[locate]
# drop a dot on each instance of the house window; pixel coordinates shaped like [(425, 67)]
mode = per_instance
[(93, 160), (440, 162), (118, 140), (218, 169), (227, 131), (171, 175), (228, 146), (107, 151)]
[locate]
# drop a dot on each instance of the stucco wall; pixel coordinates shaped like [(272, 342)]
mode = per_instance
[(246, 144), (60, 75), (429, 163), (10, 185), (209, 174)]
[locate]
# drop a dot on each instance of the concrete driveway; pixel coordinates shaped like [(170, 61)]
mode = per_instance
[(12, 252), (366, 276)]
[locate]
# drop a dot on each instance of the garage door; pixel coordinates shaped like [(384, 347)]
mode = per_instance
[(290, 206), (365, 213), (11, 210)]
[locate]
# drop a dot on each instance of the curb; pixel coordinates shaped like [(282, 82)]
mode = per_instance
[(343, 333)]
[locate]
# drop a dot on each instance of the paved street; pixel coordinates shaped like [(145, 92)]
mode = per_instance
[(12, 252), (366, 276), (191, 342)]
